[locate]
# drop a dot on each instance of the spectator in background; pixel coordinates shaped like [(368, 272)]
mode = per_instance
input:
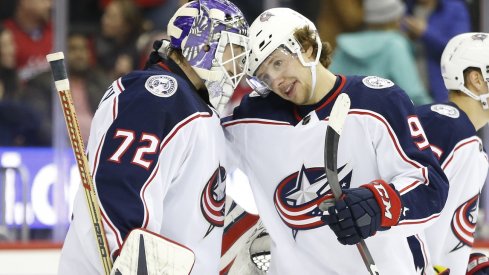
[(32, 30), (431, 23), (381, 50), (115, 47), (8, 75), (87, 82), (339, 16), (18, 124), (158, 12)]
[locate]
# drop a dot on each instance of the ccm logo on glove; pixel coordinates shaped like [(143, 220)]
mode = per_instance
[(388, 200)]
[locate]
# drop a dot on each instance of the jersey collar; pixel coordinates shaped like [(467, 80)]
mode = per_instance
[(171, 66), (301, 110)]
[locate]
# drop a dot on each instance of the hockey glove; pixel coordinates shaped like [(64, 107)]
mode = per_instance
[(364, 210), (478, 264)]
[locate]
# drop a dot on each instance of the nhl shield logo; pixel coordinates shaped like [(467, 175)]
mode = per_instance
[(265, 16), (161, 85), (479, 36)]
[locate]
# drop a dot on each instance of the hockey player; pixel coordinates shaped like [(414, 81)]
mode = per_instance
[(451, 131), (389, 174), (156, 148)]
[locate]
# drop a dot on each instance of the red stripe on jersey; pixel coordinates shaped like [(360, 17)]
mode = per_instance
[(181, 125), (391, 134), (419, 221), (335, 93), (97, 156), (226, 269), (423, 249), (255, 121), (333, 96), (116, 232), (447, 162), (146, 184), (114, 108), (164, 66), (119, 85), (236, 230)]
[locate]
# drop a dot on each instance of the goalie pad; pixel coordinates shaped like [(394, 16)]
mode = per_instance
[(145, 252)]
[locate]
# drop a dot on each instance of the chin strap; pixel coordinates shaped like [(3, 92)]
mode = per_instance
[(312, 65), (313, 80), (482, 98)]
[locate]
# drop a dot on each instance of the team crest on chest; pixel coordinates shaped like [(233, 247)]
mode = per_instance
[(376, 82), (213, 198), (161, 85), (298, 196), (445, 110), (464, 221)]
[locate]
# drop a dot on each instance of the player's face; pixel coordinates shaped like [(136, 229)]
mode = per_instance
[(230, 62), (283, 73)]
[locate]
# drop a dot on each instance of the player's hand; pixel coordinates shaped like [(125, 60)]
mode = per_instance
[(478, 264), (363, 211)]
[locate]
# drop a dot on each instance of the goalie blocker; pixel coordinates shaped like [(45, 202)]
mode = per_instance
[(145, 252)]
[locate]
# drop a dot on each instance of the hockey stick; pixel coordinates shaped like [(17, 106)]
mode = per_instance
[(333, 132), (63, 87)]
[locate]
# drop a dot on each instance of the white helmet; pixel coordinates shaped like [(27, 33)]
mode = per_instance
[(464, 51), (274, 28)]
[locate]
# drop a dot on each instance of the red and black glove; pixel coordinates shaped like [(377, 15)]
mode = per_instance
[(363, 211), (478, 264)]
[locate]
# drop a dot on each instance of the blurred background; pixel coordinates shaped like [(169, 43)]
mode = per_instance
[(105, 39)]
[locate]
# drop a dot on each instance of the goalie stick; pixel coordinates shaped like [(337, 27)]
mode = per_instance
[(333, 132), (63, 87)]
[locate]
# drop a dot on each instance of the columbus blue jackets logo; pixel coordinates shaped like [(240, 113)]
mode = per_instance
[(297, 197), (445, 110), (213, 198), (376, 82), (161, 85), (464, 221)]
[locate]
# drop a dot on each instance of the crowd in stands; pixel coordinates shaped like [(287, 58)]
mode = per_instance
[(395, 39)]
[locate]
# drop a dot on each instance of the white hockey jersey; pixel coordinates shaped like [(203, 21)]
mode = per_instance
[(156, 153), (453, 139), (280, 147)]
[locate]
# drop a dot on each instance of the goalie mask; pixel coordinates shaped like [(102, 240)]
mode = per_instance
[(468, 50), (272, 30), (202, 30)]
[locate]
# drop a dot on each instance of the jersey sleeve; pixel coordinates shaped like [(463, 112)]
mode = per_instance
[(406, 161)]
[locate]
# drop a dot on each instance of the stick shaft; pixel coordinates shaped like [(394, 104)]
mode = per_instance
[(62, 86), (333, 133)]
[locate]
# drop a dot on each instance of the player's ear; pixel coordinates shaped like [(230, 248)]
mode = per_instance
[(476, 79), (308, 53)]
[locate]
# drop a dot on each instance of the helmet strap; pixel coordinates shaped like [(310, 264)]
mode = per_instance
[(313, 82), (482, 98)]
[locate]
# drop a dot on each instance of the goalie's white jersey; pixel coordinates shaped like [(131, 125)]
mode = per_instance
[(156, 153), (280, 147), (453, 139)]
